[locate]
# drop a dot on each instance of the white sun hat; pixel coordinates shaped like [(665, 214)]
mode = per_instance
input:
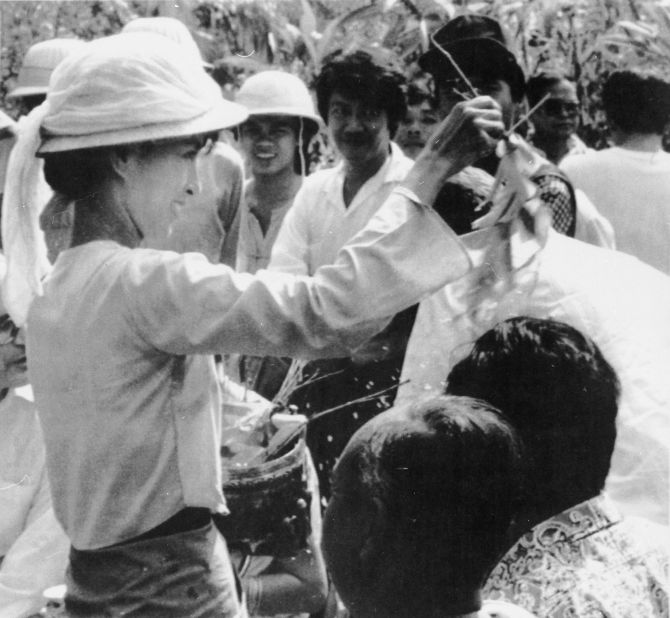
[(277, 93), (128, 88), (123, 89), (39, 63), (172, 29)]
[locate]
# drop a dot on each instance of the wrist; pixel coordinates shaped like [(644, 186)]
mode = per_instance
[(426, 178)]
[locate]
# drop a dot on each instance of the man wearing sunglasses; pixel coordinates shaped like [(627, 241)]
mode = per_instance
[(555, 120)]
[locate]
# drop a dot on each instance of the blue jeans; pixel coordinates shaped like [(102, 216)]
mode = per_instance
[(187, 574)]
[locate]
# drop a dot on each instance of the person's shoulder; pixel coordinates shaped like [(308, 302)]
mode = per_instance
[(586, 264), (321, 181), (503, 609), (584, 160)]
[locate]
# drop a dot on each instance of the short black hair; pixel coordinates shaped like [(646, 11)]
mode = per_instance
[(561, 395), (538, 85), (450, 480), (370, 77), (637, 101)]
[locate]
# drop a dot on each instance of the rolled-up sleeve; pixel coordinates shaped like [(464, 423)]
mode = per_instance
[(184, 305)]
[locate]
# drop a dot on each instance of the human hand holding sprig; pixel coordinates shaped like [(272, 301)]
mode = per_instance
[(470, 132)]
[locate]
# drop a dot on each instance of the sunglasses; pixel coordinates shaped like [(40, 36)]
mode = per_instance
[(557, 107), (8, 330)]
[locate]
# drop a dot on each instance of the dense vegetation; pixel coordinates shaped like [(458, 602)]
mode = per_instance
[(584, 38)]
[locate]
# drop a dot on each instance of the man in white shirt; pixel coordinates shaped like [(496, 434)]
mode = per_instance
[(360, 97), (629, 183)]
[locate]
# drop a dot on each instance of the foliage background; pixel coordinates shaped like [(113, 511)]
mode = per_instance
[(585, 38)]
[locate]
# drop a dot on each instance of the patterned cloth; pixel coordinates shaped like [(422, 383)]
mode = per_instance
[(555, 193), (587, 562)]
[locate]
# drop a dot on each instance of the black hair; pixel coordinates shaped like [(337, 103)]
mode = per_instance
[(561, 395), (365, 76), (76, 174), (463, 199), (417, 93), (450, 480), (538, 85), (637, 101)]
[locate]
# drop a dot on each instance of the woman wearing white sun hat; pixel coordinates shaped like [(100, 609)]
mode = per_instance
[(210, 223), (119, 334)]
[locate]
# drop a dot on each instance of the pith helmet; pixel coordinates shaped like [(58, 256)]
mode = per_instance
[(38, 65), (277, 93)]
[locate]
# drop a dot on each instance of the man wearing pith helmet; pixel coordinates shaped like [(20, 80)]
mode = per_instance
[(282, 121), (274, 139), (38, 64)]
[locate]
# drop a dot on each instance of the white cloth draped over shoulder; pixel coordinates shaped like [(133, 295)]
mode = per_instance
[(25, 194), (615, 299)]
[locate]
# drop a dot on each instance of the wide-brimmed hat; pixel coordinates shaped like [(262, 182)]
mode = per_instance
[(277, 93), (39, 63), (129, 88), (173, 29), (477, 44)]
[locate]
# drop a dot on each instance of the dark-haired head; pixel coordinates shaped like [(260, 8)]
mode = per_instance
[(539, 84), (369, 76), (560, 394), (637, 101), (422, 503)]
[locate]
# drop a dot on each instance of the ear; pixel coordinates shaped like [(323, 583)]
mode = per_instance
[(122, 161), (375, 544)]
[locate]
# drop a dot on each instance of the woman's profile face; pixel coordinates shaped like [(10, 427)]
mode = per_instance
[(160, 182)]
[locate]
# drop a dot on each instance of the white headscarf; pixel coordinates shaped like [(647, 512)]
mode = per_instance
[(122, 89)]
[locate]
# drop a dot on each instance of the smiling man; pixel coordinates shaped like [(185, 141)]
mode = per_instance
[(361, 97), (282, 120)]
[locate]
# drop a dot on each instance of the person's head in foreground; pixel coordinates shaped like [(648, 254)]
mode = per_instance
[(38, 64), (422, 500), (126, 118), (561, 395), (360, 96), (637, 103), (556, 118), (282, 121)]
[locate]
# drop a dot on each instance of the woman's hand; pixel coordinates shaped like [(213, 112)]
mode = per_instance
[(470, 132)]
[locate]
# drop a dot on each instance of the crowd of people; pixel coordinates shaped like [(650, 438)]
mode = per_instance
[(456, 337)]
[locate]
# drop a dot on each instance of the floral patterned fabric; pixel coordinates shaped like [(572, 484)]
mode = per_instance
[(587, 562)]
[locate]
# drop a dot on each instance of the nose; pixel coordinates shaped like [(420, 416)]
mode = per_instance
[(414, 130), (193, 185), (355, 123)]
